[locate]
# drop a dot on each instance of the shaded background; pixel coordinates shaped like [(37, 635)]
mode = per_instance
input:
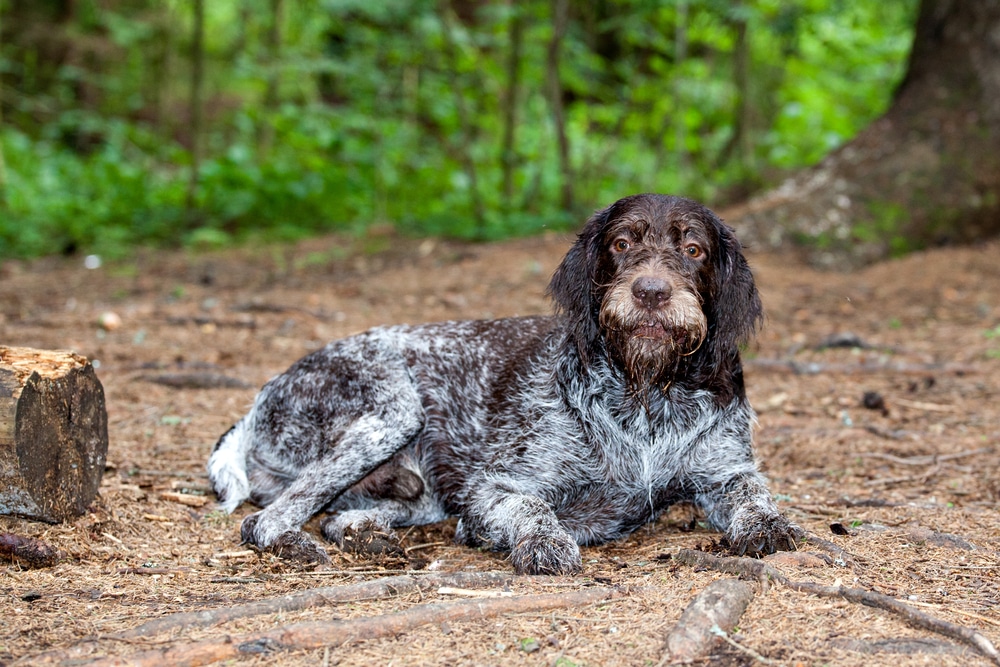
[(200, 123)]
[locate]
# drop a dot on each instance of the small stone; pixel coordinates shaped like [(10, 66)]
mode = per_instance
[(529, 645), (109, 321)]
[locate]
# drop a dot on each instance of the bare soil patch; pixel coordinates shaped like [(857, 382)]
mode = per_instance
[(879, 428)]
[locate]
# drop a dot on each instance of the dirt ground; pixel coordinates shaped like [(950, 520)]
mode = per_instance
[(913, 479)]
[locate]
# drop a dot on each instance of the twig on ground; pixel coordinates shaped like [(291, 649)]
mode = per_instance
[(153, 570), (188, 499), (425, 545), (719, 632), (146, 472), (842, 558), (889, 481), (808, 368), (196, 381), (465, 592), (960, 612), (312, 635), (917, 619), (926, 459), (927, 407), (365, 570), (228, 555)]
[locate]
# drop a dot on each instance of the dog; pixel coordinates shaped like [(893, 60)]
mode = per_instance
[(540, 434)]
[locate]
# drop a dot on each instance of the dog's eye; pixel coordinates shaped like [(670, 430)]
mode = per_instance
[(621, 245), (693, 251)]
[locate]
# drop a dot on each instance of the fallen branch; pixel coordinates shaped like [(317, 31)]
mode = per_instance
[(909, 479), (196, 381), (812, 368), (312, 635), (317, 597), (717, 608), (314, 597), (925, 459), (928, 407), (749, 567)]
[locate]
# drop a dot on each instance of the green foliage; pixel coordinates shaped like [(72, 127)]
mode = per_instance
[(386, 110), (993, 334)]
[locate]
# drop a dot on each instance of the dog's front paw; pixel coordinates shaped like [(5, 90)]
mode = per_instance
[(755, 534), (296, 546), (546, 553), (292, 545)]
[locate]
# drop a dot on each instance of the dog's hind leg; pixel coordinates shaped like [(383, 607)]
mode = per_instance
[(394, 494), (363, 446)]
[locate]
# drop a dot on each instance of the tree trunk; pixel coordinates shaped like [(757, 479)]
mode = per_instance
[(680, 56), (560, 19), (739, 143), (508, 156), (464, 123), (53, 433), (266, 129), (3, 164), (197, 85), (926, 173)]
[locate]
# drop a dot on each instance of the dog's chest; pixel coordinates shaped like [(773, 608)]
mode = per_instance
[(638, 453)]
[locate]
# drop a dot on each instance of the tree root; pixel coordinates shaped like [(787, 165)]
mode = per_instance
[(312, 635), (748, 567), (717, 609), (313, 597)]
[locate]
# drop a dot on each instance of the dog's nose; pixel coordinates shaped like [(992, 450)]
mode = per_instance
[(650, 291)]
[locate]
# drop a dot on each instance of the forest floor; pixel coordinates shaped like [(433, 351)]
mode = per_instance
[(913, 479)]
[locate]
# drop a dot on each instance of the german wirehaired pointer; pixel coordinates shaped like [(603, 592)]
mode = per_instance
[(539, 433)]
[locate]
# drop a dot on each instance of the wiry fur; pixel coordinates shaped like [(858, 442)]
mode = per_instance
[(539, 433)]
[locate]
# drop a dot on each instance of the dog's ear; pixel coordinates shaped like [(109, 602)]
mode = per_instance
[(737, 309), (572, 284)]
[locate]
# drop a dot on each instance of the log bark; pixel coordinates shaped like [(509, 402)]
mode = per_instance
[(53, 433)]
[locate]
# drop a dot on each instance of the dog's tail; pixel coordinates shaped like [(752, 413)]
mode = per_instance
[(227, 467)]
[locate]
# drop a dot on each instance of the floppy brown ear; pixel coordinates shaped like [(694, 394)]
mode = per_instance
[(737, 309), (572, 284)]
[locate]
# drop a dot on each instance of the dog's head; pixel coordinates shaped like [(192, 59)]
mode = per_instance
[(660, 284)]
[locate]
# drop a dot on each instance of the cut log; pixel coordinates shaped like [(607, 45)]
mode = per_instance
[(53, 433)]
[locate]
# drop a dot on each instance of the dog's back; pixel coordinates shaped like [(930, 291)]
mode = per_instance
[(456, 368)]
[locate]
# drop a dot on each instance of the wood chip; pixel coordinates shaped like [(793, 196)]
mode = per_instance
[(185, 498)]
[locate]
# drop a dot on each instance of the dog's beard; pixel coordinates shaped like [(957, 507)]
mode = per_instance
[(652, 346)]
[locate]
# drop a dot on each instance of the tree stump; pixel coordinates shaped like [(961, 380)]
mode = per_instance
[(53, 433)]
